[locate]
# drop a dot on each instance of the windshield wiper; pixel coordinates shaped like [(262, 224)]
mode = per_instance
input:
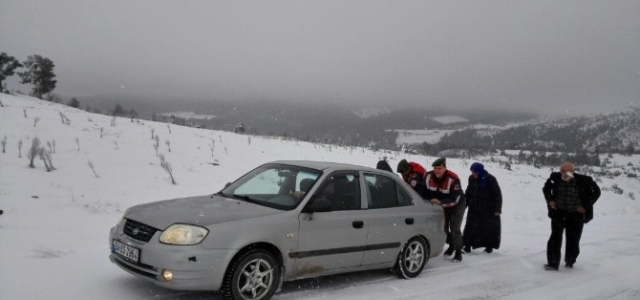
[(246, 198)]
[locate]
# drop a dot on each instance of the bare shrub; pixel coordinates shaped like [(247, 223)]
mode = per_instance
[(168, 143), (20, 149), (167, 167), (78, 143), (169, 127), (616, 189), (90, 163), (35, 121), (4, 143), (33, 151), (632, 196), (52, 146), (24, 110), (153, 131), (46, 158), (213, 144), (156, 144), (64, 119), (101, 131)]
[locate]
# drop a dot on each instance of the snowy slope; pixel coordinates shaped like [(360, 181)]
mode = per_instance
[(55, 226)]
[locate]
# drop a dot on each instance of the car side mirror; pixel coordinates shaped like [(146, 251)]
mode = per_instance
[(317, 205), (227, 185)]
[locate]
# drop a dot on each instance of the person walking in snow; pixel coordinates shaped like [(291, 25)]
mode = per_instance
[(443, 188), (484, 199), (413, 174), (570, 198)]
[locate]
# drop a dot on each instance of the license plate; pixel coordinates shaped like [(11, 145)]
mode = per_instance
[(127, 251)]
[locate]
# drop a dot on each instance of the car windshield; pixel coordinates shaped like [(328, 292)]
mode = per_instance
[(278, 186)]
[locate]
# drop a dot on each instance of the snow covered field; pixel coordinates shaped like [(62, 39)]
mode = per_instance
[(54, 230)]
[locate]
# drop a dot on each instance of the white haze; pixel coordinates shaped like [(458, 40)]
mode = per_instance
[(545, 56)]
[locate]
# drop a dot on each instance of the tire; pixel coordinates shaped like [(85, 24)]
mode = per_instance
[(412, 258), (253, 275)]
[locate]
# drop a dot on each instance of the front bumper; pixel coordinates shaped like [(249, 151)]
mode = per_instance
[(193, 267)]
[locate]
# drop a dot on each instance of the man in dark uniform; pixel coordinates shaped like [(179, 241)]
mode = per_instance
[(443, 188), (570, 198)]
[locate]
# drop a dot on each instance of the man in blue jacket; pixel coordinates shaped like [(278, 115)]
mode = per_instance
[(570, 198)]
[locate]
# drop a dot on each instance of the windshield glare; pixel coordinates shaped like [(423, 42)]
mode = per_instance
[(274, 185)]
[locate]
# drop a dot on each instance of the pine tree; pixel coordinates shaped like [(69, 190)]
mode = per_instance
[(8, 64), (74, 103), (118, 110), (40, 74)]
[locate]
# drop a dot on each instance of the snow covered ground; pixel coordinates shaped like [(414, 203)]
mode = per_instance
[(54, 231)]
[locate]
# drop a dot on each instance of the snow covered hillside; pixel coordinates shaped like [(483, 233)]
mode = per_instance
[(55, 226)]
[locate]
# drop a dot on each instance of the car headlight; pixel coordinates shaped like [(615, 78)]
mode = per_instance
[(181, 234), (122, 219)]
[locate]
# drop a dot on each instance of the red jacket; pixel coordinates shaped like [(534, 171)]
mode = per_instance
[(446, 189), (416, 178), (417, 168)]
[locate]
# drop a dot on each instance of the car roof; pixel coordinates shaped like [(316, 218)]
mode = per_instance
[(323, 165)]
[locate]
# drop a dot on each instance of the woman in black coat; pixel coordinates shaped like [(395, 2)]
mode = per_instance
[(484, 199)]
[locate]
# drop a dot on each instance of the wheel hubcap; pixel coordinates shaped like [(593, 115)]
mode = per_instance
[(414, 256), (256, 279)]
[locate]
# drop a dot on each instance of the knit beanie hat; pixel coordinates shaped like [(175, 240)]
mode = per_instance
[(440, 162), (403, 165), (477, 167)]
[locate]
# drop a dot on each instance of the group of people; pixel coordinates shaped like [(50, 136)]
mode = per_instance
[(442, 186), (569, 196)]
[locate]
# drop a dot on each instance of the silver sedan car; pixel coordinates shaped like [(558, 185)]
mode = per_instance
[(284, 220)]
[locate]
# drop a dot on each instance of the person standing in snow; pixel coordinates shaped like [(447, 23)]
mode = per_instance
[(413, 174), (384, 165), (570, 198), (443, 188), (484, 199)]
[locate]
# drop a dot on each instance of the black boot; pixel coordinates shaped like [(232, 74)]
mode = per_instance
[(458, 256), (488, 250), (449, 251), (466, 249), (549, 267)]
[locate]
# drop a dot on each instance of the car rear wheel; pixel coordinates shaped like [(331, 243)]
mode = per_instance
[(253, 275), (412, 258)]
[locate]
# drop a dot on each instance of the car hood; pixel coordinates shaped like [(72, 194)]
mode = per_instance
[(202, 210)]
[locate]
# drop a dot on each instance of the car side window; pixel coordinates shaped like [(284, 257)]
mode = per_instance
[(383, 192), (404, 199), (341, 191)]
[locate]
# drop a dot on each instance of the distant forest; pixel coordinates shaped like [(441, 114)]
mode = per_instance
[(584, 137)]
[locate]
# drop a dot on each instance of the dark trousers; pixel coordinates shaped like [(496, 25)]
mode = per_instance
[(572, 223), (452, 223)]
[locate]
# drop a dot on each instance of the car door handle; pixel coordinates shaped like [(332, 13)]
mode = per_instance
[(408, 221), (358, 224)]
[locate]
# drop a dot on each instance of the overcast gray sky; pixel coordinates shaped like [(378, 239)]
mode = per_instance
[(547, 56)]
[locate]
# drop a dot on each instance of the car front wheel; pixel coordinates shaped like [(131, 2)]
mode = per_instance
[(252, 276), (412, 258)]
